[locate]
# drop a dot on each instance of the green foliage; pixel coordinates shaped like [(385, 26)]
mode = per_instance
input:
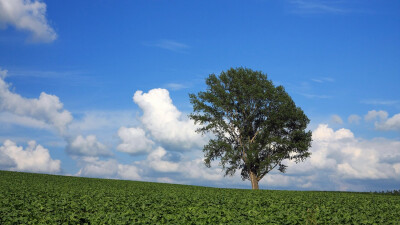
[(256, 125), (47, 199)]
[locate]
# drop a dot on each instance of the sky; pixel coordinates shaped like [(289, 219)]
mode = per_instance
[(100, 88)]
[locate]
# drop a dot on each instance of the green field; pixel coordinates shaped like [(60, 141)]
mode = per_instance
[(48, 199)]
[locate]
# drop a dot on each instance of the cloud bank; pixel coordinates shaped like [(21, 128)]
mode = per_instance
[(46, 112), (339, 158)]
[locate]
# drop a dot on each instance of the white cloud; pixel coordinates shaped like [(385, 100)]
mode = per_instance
[(35, 158), (392, 123), (282, 180), (384, 123), (155, 161), (337, 119), (27, 15), (340, 155), (128, 172), (5, 161), (196, 169), (337, 159), (134, 141), (97, 168), (354, 119), (324, 133), (165, 122), (88, 146), (153, 168), (47, 108), (373, 114), (185, 170), (93, 167)]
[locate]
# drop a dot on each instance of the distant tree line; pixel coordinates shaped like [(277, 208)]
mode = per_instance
[(388, 192)]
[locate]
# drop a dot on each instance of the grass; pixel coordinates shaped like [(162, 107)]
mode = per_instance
[(27, 198)]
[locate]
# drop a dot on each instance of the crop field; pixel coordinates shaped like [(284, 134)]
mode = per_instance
[(48, 199)]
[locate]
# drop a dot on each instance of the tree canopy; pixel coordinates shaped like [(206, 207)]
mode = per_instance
[(255, 125)]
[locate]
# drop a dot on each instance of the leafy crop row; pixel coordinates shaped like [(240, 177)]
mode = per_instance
[(47, 199)]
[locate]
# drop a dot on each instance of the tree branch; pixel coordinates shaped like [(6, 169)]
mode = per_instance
[(267, 171), (255, 135)]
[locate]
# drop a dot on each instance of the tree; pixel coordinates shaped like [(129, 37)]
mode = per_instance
[(255, 125)]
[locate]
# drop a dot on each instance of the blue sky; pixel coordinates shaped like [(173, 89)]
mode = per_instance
[(100, 88)]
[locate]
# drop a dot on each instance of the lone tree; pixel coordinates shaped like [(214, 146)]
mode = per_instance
[(255, 124)]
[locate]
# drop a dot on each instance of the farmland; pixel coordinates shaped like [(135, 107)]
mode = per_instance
[(48, 199)]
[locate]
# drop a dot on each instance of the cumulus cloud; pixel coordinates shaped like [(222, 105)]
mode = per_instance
[(354, 119), (128, 172), (392, 123), (156, 161), (47, 108), (154, 168), (337, 119), (35, 158), (165, 122), (373, 114), (5, 161), (196, 169), (93, 167), (384, 122), (324, 133), (168, 128), (338, 156), (134, 141), (27, 15), (278, 180), (88, 146), (337, 159), (184, 169), (46, 112)]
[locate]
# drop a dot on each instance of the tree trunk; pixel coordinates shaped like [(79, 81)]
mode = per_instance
[(254, 181)]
